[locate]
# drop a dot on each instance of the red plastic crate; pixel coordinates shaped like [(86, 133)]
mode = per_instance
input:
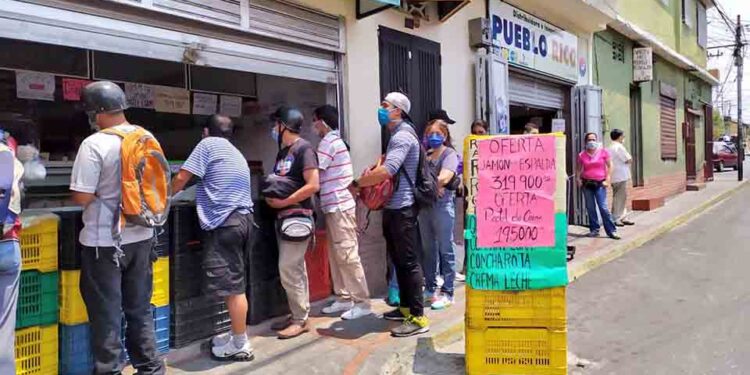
[(318, 269)]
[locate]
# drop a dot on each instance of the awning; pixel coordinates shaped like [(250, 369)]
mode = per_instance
[(366, 8)]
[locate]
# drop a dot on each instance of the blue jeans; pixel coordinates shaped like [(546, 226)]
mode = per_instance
[(598, 197), (436, 226), (10, 273)]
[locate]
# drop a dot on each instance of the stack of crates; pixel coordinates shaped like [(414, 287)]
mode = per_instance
[(36, 317), (76, 356), (194, 316), (515, 332)]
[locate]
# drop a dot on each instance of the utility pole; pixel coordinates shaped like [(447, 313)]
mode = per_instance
[(738, 55)]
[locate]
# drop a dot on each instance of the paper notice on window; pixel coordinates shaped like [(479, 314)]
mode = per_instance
[(172, 100), (72, 88), (37, 86), (558, 125), (204, 104), (139, 95), (230, 106)]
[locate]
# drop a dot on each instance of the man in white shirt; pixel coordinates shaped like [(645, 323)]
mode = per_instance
[(114, 279), (621, 160)]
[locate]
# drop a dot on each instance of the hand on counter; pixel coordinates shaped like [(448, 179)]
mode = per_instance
[(277, 203)]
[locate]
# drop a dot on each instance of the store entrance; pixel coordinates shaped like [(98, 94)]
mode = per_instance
[(521, 115)]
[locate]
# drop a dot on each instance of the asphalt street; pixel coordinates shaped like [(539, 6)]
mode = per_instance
[(677, 305)]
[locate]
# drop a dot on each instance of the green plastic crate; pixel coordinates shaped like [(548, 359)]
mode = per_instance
[(37, 299)]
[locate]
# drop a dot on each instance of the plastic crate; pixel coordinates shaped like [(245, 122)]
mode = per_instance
[(39, 242), (266, 300), (196, 319), (37, 299), (160, 295), (318, 268), (76, 357), (185, 272), (528, 351), (544, 308), (72, 309), (36, 350), (161, 328), (71, 224)]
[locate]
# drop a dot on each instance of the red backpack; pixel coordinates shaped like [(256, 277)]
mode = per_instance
[(375, 197)]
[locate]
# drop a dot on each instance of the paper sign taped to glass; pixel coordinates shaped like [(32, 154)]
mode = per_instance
[(516, 227)]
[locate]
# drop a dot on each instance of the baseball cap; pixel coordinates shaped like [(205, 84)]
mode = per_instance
[(399, 101), (441, 114)]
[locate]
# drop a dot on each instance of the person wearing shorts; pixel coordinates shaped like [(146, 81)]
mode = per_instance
[(225, 210)]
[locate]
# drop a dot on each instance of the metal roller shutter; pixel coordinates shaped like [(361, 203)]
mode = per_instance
[(668, 127), (525, 90)]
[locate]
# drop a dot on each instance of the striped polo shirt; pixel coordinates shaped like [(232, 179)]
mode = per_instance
[(336, 174), (403, 151), (224, 185)]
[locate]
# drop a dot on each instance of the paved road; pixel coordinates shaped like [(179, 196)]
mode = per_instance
[(677, 305)]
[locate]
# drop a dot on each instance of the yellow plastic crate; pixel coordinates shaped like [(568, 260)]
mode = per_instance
[(36, 350), (160, 296), (72, 309), (39, 242), (513, 351), (544, 308)]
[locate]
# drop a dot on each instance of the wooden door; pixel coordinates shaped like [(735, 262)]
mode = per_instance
[(689, 134)]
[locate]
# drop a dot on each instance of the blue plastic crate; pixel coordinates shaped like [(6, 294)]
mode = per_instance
[(75, 350), (161, 331)]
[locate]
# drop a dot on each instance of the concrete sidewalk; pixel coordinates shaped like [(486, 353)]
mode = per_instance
[(365, 347)]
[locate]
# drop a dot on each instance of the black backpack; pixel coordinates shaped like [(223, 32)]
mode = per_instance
[(426, 188)]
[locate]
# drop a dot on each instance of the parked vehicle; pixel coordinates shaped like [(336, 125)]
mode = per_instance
[(725, 155)]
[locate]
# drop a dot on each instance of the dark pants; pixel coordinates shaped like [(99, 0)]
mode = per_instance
[(402, 243), (110, 289)]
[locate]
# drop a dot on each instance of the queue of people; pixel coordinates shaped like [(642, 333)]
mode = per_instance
[(118, 246)]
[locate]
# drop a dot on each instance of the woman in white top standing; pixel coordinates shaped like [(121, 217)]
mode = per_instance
[(621, 160)]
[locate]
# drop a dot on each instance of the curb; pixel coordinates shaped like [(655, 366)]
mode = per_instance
[(455, 332), (618, 251)]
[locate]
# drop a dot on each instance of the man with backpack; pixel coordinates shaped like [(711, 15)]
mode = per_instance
[(118, 234), (225, 208), (400, 227), (11, 171)]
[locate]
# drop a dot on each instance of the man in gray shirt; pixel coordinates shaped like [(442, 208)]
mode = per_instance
[(400, 215)]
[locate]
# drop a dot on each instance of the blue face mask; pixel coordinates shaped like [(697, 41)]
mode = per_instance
[(592, 145), (383, 118), (435, 140), (275, 134)]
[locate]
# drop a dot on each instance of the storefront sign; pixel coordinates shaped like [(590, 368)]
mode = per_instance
[(558, 125), (516, 198), (531, 42), (204, 104), (139, 95), (172, 100), (72, 88), (643, 67), (230, 106), (33, 85)]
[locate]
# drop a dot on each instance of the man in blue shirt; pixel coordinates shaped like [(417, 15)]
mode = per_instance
[(225, 208)]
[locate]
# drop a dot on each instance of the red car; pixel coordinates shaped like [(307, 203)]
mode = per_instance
[(725, 155)]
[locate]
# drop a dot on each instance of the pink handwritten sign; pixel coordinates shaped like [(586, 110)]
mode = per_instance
[(515, 199), (72, 88)]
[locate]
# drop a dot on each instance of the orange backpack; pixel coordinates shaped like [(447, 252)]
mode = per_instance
[(145, 189)]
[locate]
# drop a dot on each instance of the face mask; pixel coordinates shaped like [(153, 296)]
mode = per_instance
[(383, 118), (592, 145), (435, 140), (275, 134)]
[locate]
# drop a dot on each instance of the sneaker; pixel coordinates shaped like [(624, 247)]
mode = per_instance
[(358, 311), (394, 297), (593, 234), (230, 352), (460, 277), (413, 325), (395, 315), (221, 339), (628, 222), (430, 297), (338, 306), (614, 236), (444, 302)]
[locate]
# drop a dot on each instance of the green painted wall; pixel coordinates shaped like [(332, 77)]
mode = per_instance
[(615, 78), (665, 23)]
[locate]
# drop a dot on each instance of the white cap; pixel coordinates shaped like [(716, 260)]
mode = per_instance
[(399, 101)]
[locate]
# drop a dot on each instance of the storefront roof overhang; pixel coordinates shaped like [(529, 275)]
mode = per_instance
[(639, 35), (43, 24), (576, 16)]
